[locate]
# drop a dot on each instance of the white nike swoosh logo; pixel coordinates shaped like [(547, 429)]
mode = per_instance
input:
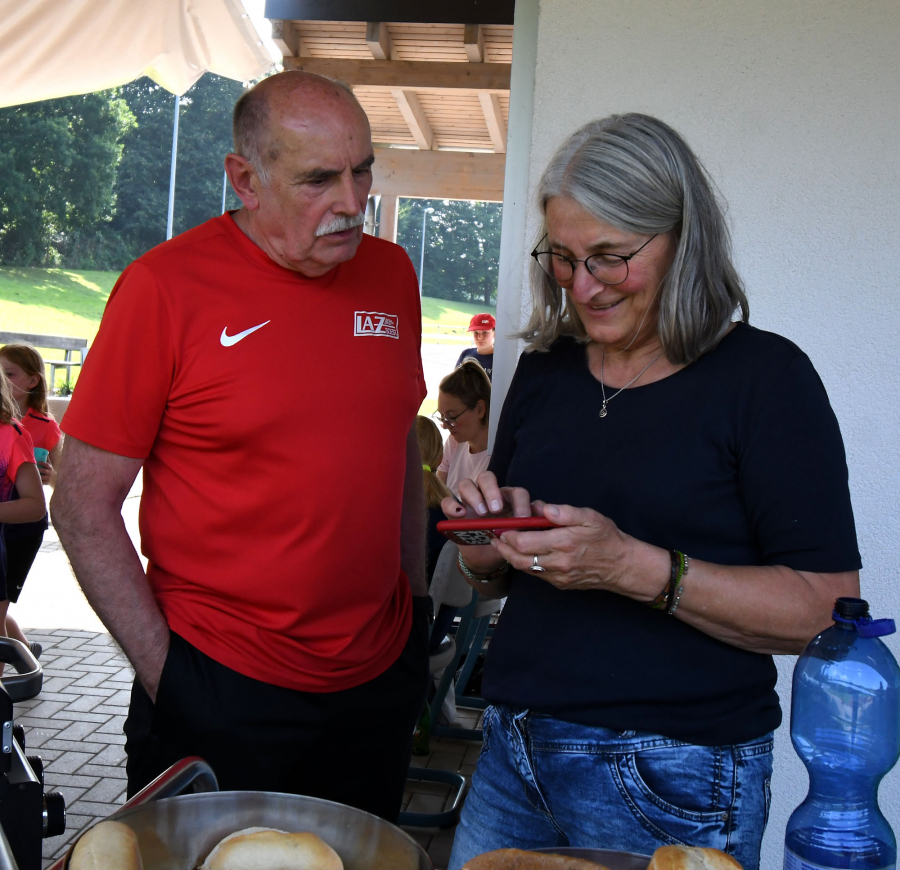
[(228, 340)]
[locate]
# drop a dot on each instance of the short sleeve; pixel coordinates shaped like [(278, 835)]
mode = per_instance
[(22, 452), (793, 477), (450, 447), (132, 359)]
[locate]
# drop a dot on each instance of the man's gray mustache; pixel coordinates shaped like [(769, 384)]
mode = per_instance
[(340, 223)]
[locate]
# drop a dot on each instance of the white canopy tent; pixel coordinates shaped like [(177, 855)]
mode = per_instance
[(56, 48)]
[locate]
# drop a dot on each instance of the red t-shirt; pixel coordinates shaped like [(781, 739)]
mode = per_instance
[(15, 448), (272, 412), (42, 428)]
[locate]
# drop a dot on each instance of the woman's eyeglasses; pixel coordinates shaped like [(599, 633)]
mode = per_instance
[(606, 268), (449, 422)]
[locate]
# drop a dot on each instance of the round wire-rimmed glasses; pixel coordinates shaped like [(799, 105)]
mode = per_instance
[(606, 268)]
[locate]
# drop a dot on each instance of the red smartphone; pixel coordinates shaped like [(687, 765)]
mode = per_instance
[(478, 531)]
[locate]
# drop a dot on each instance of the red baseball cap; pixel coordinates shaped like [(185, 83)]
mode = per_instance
[(482, 321)]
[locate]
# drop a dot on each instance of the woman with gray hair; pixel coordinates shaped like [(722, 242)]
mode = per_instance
[(696, 473)]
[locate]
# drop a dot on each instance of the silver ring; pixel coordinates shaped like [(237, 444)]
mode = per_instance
[(535, 568)]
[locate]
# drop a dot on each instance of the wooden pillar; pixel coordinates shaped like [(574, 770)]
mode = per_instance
[(387, 225)]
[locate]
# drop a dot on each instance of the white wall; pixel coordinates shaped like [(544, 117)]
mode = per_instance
[(795, 109)]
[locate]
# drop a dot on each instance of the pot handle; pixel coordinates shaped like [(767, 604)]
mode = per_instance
[(191, 771)]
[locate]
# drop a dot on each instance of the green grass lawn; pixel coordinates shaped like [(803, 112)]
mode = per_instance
[(67, 302), (53, 301)]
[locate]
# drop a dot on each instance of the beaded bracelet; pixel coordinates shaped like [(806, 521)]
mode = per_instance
[(679, 569), (679, 586), (482, 578)]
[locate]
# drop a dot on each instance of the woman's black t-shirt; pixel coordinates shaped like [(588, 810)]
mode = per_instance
[(736, 459)]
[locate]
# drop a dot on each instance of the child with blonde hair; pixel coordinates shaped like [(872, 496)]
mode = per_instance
[(24, 369), (21, 492)]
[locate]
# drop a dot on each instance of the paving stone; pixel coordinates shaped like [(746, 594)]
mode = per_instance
[(114, 755), (104, 770), (91, 680), (106, 791), (84, 703), (47, 709), (71, 642), (68, 780), (62, 663), (77, 730), (100, 657), (66, 762), (122, 698), (55, 684)]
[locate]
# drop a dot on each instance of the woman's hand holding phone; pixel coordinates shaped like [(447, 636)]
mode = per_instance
[(483, 499)]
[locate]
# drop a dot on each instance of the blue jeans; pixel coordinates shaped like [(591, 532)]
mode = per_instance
[(541, 782)]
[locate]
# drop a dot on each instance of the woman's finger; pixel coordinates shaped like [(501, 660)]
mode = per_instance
[(472, 496), (452, 509)]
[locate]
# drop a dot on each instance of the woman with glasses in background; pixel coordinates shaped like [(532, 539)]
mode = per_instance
[(464, 408), (697, 475)]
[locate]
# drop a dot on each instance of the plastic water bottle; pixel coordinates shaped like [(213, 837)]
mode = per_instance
[(845, 726)]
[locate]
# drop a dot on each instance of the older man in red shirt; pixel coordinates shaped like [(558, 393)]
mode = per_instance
[(280, 629)]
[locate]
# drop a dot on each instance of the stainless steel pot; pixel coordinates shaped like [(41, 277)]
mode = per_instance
[(610, 859), (177, 833)]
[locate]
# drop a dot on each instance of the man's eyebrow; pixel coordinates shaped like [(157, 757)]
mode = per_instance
[(322, 174), (317, 174)]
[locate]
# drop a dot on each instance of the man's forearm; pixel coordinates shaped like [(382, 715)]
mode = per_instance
[(113, 580), (86, 510), (412, 520)]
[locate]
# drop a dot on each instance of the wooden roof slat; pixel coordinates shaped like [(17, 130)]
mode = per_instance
[(453, 102)]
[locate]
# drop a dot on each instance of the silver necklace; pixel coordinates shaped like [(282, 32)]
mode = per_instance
[(603, 411)]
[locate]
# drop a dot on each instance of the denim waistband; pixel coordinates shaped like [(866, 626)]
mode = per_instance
[(547, 732)]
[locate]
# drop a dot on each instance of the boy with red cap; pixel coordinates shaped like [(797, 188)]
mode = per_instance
[(482, 328)]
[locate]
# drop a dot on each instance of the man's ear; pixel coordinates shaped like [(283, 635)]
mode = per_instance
[(243, 179)]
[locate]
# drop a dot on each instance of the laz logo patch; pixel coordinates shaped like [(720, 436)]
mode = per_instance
[(376, 323)]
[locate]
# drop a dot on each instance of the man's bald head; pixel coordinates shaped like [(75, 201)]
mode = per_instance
[(284, 99)]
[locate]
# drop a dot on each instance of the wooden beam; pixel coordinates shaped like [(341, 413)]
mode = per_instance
[(493, 117), (404, 74), (387, 221), (379, 40), (473, 41), (438, 174), (414, 115), (285, 37), (288, 38)]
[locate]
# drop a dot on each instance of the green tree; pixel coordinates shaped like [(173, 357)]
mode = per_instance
[(462, 247), (58, 159), (204, 138)]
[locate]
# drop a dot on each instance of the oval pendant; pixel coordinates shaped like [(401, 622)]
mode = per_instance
[(603, 411)]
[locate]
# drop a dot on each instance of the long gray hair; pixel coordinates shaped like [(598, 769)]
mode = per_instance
[(637, 174)]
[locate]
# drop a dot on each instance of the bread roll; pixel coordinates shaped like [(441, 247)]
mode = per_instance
[(269, 849), (107, 845), (691, 858), (517, 859)]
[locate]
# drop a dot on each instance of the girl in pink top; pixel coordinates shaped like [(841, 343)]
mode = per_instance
[(18, 476), (24, 369)]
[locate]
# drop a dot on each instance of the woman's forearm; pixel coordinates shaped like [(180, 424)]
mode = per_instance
[(764, 609)]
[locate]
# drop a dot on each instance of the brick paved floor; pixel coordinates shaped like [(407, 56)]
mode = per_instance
[(75, 725)]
